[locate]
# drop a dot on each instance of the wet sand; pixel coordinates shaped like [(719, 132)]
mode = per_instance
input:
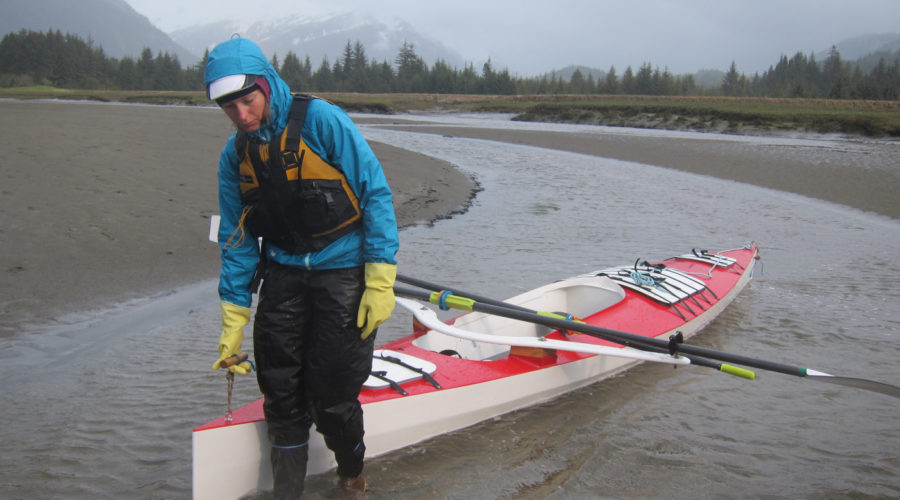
[(105, 203)]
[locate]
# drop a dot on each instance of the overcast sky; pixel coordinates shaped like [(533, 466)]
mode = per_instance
[(530, 37)]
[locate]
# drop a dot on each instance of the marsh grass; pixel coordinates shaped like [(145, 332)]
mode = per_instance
[(870, 118), (724, 114)]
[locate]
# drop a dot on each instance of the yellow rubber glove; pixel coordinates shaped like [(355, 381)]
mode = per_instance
[(378, 298), (234, 318)]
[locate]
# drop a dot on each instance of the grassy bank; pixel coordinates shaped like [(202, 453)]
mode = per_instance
[(729, 115), (712, 114)]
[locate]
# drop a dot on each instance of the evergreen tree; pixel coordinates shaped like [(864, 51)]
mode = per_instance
[(628, 83), (146, 68), (643, 81), (688, 85), (410, 69), (504, 84), (358, 75), (128, 75), (835, 77), (589, 86), (441, 78), (338, 76), (382, 77), (168, 72), (468, 80), (274, 61), (306, 71), (323, 78), (612, 81), (666, 83), (347, 59), (292, 72), (197, 81), (488, 82), (731, 81), (577, 83), (65, 60)]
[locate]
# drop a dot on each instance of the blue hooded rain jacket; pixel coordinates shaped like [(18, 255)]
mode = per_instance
[(333, 136)]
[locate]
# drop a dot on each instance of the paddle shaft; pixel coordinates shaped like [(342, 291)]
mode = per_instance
[(491, 306), (637, 344), (619, 337)]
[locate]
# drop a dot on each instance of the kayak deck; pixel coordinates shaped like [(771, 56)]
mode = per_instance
[(468, 382)]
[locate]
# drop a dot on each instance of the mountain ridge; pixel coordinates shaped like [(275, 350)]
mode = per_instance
[(112, 24), (123, 32)]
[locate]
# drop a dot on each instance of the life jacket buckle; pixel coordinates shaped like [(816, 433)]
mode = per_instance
[(290, 159)]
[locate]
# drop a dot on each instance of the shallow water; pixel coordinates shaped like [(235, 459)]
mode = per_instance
[(101, 405)]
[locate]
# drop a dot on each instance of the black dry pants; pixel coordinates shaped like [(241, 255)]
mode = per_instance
[(311, 360)]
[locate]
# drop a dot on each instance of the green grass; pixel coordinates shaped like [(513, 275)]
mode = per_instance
[(870, 118), (136, 96)]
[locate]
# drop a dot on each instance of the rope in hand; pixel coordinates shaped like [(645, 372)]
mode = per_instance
[(229, 378)]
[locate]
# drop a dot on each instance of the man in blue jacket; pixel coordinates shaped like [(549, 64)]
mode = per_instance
[(299, 177)]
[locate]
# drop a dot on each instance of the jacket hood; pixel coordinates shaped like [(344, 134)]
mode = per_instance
[(241, 56)]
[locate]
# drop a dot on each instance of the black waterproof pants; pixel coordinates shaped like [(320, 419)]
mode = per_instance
[(311, 360)]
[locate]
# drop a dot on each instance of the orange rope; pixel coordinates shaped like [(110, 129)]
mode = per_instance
[(231, 243)]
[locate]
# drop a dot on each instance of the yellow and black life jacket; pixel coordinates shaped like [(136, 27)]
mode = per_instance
[(291, 196)]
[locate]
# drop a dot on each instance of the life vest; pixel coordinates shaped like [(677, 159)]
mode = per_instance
[(291, 196)]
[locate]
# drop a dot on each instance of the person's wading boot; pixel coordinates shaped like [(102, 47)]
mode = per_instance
[(353, 487), (289, 470)]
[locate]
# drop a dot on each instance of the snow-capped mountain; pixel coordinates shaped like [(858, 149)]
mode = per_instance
[(320, 38)]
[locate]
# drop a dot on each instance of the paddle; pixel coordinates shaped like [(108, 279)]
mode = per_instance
[(471, 302), (462, 303), (638, 342), (428, 318)]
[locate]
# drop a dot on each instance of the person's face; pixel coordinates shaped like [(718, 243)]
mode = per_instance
[(247, 112)]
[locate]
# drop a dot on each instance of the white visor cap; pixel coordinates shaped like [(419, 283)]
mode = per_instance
[(229, 85)]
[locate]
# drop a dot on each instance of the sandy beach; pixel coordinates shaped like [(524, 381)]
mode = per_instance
[(104, 203)]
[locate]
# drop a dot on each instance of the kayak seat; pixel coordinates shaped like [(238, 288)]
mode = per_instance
[(580, 297), (397, 367)]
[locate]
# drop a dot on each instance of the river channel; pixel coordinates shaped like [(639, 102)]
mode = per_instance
[(107, 421)]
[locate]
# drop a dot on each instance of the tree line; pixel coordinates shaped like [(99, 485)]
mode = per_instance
[(67, 61), (803, 76)]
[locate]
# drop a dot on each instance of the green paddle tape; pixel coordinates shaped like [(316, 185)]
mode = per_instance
[(737, 371), (558, 316), (452, 301)]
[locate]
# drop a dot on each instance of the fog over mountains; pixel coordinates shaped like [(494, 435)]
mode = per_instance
[(320, 38), (121, 31)]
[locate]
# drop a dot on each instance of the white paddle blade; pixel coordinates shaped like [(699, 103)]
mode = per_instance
[(429, 319)]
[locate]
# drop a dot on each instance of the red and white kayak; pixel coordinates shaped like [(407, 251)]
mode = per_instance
[(444, 377)]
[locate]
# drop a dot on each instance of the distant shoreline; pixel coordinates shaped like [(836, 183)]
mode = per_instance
[(730, 115)]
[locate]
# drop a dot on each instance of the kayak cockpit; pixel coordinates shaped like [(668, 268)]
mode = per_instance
[(579, 297)]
